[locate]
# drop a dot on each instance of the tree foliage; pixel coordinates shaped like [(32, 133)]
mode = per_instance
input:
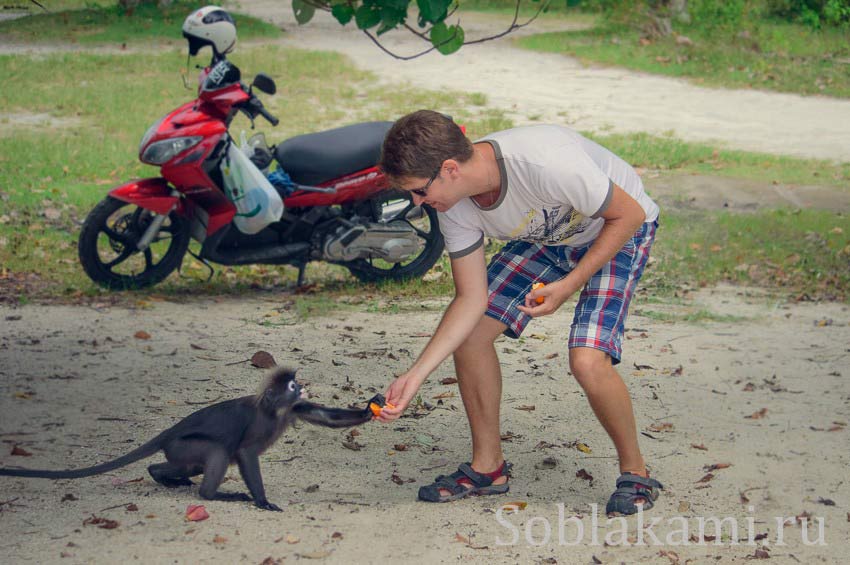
[(433, 20)]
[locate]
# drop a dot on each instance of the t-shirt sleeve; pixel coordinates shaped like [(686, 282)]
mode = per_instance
[(571, 175), (462, 238)]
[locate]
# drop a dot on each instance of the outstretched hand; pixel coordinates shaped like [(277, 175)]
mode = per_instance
[(399, 394)]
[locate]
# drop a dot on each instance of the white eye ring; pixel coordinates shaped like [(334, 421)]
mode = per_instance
[(291, 385)]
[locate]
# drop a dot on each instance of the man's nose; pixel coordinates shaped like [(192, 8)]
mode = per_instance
[(417, 200)]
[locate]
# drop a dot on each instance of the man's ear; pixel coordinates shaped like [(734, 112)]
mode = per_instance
[(451, 168)]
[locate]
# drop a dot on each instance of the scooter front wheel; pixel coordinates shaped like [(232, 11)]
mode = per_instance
[(108, 245)]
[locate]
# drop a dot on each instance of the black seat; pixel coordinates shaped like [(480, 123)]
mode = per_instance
[(315, 158)]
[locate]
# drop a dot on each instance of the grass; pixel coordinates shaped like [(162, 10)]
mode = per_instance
[(107, 23), (771, 56), (51, 175), (700, 316)]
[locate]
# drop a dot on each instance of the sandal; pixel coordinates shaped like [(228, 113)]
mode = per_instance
[(631, 487), (466, 482)]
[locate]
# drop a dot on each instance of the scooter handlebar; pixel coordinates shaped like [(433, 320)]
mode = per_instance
[(256, 107)]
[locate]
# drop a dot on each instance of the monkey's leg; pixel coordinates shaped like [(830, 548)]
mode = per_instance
[(249, 467), (169, 475), (214, 469)]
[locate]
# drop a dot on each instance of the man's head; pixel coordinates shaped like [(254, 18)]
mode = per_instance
[(417, 148)]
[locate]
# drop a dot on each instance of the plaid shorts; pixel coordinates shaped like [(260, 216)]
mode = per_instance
[(602, 307)]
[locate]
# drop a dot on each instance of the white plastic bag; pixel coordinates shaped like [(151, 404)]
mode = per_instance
[(257, 202)]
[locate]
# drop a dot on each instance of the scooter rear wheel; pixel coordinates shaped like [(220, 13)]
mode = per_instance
[(108, 252), (394, 206)]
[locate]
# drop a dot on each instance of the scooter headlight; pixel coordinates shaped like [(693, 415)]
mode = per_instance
[(162, 151)]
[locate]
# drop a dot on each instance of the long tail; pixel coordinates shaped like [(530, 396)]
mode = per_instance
[(140, 452)]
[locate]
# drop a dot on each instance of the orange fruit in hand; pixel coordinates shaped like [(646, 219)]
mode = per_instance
[(536, 286)]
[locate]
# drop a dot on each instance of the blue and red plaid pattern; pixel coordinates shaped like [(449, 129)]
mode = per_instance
[(603, 305)]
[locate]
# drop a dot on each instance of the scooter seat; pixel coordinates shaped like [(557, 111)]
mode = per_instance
[(315, 158)]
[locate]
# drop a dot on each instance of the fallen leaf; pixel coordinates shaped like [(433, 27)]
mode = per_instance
[(527, 408), (582, 474), (716, 466), (263, 360), (661, 427), (552, 356), (826, 501), (270, 561), (336, 535), (193, 346), (700, 447), (291, 539), (448, 381), (131, 508), (24, 395), (68, 496), (20, 452), (514, 506), (219, 539), (311, 488), (707, 477), (102, 523), (757, 415), (548, 463), (684, 506), (196, 513), (141, 335), (448, 394), (583, 447), (400, 447), (761, 553)]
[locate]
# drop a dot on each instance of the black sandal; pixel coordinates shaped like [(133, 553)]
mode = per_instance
[(631, 487), (465, 482)]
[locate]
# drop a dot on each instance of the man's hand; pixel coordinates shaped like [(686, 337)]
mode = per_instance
[(553, 294), (400, 392)]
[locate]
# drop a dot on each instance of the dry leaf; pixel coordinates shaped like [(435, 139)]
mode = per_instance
[(582, 474), (102, 523), (196, 513), (291, 539), (582, 447), (757, 415), (449, 394), (400, 447), (448, 381), (219, 539), (551, 356), (700, 447), (336, 535), (761, 553), (263, 360), (141, 335), (661, 427), (707, 477), (314, 554), (514, 506), (684, 506), (716, 466), (19, 451), (527, 408), (131, 508)]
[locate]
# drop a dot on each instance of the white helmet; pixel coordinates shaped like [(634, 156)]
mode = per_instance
[(211, 26)]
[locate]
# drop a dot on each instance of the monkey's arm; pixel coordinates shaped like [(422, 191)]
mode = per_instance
[(334, 417)]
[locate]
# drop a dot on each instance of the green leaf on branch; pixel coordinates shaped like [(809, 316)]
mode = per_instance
[(367, 17), (447, 39), (343, 13), (303, 11), (432, 11), (390, 18)]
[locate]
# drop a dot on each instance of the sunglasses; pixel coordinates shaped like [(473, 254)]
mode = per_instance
[(423, 190)]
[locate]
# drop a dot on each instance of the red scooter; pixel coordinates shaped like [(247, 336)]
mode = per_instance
[(337, 204)]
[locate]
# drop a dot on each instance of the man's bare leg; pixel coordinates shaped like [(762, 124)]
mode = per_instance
[(611, 403), (480, 381)]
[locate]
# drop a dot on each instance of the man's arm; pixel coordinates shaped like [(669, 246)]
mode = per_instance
[(622, 218), (462, 315)]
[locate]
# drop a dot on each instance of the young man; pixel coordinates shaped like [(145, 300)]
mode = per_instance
[(576, 218)]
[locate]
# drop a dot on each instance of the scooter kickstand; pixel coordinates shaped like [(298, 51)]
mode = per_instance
[(301, 268)]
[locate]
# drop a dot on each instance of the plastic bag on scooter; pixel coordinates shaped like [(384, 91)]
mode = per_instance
[(257, 202)]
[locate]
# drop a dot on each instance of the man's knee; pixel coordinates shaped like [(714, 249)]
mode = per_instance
[(482, 337), (588, 364)]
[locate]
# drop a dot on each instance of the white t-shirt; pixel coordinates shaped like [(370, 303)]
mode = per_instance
[(555, 185)]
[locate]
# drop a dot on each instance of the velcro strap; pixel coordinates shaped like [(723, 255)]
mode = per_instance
[(477, 479), (646, 482)]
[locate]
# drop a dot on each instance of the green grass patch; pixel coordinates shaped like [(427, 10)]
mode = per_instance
[(666, 153), (771, 56), (799, 252), (110, 24), (699, 316)]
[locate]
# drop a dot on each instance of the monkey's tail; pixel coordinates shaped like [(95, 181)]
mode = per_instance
[(145, 450)]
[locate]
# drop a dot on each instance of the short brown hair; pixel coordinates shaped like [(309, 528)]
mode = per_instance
[(418, 143)]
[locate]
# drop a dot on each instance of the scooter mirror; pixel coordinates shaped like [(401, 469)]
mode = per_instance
[(264, 83)]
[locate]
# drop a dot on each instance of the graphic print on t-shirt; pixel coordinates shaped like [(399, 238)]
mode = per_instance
[(550, 227)]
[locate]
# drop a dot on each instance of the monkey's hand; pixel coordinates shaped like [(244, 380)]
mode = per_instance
[(266, 505)]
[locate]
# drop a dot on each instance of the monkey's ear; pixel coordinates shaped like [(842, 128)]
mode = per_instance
[(277, 379)]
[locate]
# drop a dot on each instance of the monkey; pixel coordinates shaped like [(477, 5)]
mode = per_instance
[(237, 431)]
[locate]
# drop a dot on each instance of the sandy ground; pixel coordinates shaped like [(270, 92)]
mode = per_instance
[(78, 388)]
